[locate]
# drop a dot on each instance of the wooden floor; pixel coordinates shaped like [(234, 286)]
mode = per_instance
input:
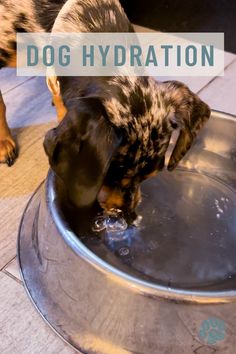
[(30, 115)]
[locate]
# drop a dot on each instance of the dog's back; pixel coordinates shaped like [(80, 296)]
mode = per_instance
[(22, 17), (40, 15)]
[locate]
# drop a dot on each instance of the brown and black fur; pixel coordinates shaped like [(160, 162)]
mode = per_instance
[(142, 115), (116, 130), (39, 16)]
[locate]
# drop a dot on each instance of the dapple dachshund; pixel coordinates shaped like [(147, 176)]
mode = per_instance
[(115, 130)]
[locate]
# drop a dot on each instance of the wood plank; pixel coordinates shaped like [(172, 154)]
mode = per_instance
[(220, 94), (30, 113), (22, 330), (18, 183)]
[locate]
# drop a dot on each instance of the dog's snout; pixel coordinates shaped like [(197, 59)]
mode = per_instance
[(110, 198), (119, 198)]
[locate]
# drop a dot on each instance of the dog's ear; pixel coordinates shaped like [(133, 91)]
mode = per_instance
[(190, 114), (80, 150)]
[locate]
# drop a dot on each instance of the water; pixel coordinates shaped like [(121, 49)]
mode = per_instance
[(184, 236), (112, 221), (99, 223)]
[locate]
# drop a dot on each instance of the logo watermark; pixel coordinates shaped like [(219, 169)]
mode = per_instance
[(212, 330)]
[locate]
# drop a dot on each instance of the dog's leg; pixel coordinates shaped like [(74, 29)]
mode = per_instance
[(8, 152), (7, 144), (54, 88)]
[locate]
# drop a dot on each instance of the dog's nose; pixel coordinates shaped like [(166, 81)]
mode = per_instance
[(110, 198), (50, 142)]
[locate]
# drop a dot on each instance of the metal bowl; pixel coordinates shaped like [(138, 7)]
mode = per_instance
[(167, 286)]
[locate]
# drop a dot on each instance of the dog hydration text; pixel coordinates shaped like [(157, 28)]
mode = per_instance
[(132, 54)]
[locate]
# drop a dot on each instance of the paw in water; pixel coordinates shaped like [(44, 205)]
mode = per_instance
[(212, 330)]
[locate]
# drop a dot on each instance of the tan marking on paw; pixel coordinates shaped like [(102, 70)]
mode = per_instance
[(7, 151)]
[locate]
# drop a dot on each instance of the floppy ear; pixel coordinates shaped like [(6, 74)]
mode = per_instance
[(80, 150), (190, 115)]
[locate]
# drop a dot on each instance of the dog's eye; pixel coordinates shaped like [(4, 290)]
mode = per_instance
[(173, 124)]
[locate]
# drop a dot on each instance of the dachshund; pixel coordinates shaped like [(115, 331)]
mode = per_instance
[(115, 135), (40, 16), (114, 131)]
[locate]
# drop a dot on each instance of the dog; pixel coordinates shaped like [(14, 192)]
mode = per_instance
[(114, 131), (39, 16)]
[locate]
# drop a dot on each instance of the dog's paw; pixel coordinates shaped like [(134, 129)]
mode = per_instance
[(8, 152)]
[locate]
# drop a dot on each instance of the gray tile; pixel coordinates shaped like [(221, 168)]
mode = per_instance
[(197, 83), (194, 83), (220, 94), (12, 269), (29, 104), (9, 80)]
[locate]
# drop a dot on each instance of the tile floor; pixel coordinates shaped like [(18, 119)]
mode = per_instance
[(30, 115)]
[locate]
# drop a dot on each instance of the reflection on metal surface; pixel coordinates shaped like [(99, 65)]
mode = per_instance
[(148, 291)]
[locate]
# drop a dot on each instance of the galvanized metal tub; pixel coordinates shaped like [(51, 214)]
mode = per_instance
[(168, 286)]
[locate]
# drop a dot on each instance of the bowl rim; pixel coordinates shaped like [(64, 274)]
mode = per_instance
[(143, 287)]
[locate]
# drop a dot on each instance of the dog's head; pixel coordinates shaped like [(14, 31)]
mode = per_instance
[(80, 149), (105, 147)]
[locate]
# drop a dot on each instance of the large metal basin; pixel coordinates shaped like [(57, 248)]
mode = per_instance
[(168, 286)]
